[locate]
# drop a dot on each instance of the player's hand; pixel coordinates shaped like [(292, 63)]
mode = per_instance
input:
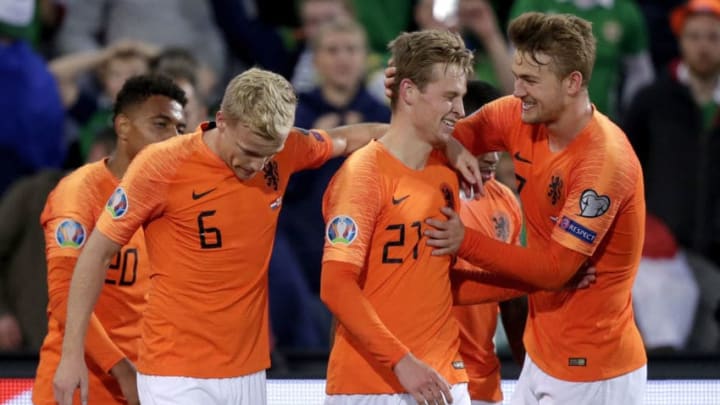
[(422, 382), (126, 376), (71, 373), (467, 165), (448, 235), (389, 78), (478, 17), (10, 334), (584, 278)]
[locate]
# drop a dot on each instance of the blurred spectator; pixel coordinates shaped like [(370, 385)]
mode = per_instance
[(339, 52), (623, 63), (190, 24), (663, 46), (31, 131), (384, 20), (23, 271), (674, 128), (313, 14), (89, 81), (477, 21), (181, 66), (665, 293), (47, 16), (23, 284)]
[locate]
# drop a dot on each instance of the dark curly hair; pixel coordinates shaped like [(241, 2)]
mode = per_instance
[(137, 89)]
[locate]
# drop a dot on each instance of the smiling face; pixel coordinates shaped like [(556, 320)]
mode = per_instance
[(438, 106), (340, 58), (539, 88)]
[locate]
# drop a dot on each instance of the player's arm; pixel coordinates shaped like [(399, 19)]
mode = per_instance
[(349, 138), (551, 269), (340, 291), (85, 287), (98, 345), (348, 207), (472, 286)]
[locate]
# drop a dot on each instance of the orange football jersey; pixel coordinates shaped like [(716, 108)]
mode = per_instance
[(209, 236), (589, 198), (375, 209), (496, 214), (69, 217)]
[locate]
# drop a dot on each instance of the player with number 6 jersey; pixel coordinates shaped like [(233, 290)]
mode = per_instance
[(208, 203)]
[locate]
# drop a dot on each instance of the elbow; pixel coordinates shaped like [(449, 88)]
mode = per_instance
[(329, 294)]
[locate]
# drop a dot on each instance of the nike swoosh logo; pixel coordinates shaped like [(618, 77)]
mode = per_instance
[(397, 201), (520, 158), (197, 196)]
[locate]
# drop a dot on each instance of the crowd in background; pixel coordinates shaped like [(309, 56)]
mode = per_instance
[(62, 62)]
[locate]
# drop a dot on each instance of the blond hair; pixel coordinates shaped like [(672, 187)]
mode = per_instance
[(415, 55), (262, 100), (565, 38)]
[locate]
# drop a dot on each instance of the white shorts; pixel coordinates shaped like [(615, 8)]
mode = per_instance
[(478, 402), (459, 393), (165, 390), (535, 387)]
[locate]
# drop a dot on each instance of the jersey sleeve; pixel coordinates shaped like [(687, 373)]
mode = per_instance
[(67, 220), (351, 206), (599, 184), (486, 129), (98, 345), (311, 148), (141, 195)]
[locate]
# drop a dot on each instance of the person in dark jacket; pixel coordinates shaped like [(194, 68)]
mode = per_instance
[(674, 126)]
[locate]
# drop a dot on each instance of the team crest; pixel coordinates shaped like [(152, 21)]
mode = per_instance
[(270, 172), (502, 227), (70, 234), (555, 189), (117, 205), (448, 195), (341, 230), (593, 205)]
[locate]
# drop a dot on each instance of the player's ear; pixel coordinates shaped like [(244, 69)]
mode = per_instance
[(408, 91), (220, 120), (122, 126), (574, 82)]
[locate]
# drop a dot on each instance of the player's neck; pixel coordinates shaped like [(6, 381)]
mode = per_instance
[(573, 119), (212, 141), (403, 142), (118, 163)]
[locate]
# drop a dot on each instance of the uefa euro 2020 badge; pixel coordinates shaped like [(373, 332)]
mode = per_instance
[(117, 205), (70, 234), (341, 230)]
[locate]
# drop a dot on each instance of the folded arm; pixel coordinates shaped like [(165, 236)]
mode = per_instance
[(551, 268)]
